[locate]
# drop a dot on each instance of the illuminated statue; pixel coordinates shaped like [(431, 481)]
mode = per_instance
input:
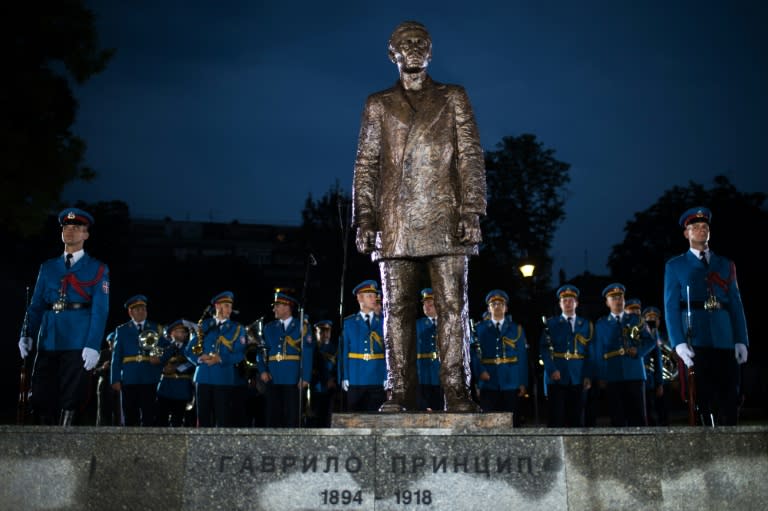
[(419, 190)]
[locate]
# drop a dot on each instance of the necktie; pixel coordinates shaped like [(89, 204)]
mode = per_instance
[(618, 319), (703, 258), (282, 327), (139, 327), (68, 262), (498, 327), (570, 324), (368, 321)]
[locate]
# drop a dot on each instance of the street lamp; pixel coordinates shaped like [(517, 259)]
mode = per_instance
[(527, 270)]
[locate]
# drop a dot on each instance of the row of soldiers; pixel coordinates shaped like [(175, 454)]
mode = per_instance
[(227, 369)]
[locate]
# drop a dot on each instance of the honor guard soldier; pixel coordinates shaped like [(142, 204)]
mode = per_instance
[(363, 366), (427, 359), (175, 389), (564, 349), (705, 319), (655, 407), (633, 306), (109, 410), (500, 359), (219, 346), (66, 318), (324, 373), (288, 370), (621, 343), (136, 364)]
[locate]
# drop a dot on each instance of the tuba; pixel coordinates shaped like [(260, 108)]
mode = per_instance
[(256, 346), (148, 342)]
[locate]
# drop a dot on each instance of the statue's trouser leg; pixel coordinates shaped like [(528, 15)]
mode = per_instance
[(448, 275), (400, 287)]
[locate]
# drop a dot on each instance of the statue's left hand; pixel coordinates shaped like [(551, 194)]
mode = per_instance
[(469, 230), (365, 239)]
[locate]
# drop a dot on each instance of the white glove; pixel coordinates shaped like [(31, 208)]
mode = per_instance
[(386, 385), (686, 353), (741, 352), (90, 357), (25, 346), (345, 385)]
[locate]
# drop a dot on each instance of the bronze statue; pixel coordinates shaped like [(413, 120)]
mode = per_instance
[(418, 193)]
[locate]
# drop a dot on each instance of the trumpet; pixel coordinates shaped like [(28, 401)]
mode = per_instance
[(197, 348), (148, 342)]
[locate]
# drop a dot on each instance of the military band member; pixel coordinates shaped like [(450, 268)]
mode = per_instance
[(109, 410), (633, 306), (135, 367), (289, 368), (66, 319), (705, 319), (175, 389), (500, 359), (564, 349), (427, 355), (655, 407), (363, 366), (621, 343), (324, 373), (218, 348)]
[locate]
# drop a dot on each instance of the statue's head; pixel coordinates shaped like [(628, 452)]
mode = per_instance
[(410, 47)]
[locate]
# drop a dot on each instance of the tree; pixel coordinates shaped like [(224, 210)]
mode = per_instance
[(47, 44), (526, 196)]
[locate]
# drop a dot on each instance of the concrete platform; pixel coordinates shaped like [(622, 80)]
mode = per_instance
[(372, 468)]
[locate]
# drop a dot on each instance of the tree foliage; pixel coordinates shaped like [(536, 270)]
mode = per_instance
[(526, 198), (47, 44)]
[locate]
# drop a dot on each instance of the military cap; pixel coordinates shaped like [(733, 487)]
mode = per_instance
[(324, 323), (285, 299), (179, 323), (693, 215), (135, 301), (652, 310), (427, 294), (633, 304), (75, 216), (496, 294), (567, 291), (614, 289), (366, 286), (223, 297)]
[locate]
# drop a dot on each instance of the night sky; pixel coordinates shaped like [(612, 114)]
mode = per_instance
[(238, 109)]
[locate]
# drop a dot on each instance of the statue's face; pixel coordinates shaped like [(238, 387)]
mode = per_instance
[(411, 51)]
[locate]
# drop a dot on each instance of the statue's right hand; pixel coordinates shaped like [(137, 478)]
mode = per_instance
[(25, 346), (365, 240)]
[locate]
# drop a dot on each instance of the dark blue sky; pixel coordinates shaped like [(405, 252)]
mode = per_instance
[(239, 109)]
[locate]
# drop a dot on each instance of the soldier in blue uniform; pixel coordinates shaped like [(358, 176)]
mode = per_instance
[(633, 306), (324, 373), (427, 355), (621, 342), (564, 349), (363, 370), (655, 407), (218, 348), (175, 389), (288, 370), (135, 368), (705, 319), (66, 318), (500, 359), (109, 411)]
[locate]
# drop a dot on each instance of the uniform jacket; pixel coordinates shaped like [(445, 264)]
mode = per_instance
[(178, 385), (427, 361), (570, 351), (362, 352), (720, 328), (130, 364), (612, 336), (72, 329), (325, 366), (228, 340), (288, 360), (418, 168), (503, 355)]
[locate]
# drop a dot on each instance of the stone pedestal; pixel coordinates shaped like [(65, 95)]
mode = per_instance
[(465, 462)]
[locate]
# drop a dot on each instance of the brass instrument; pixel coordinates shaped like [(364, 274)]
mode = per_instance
[(197, 348), (256, 346), (148, 342), (634, 331), (669, 369)]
